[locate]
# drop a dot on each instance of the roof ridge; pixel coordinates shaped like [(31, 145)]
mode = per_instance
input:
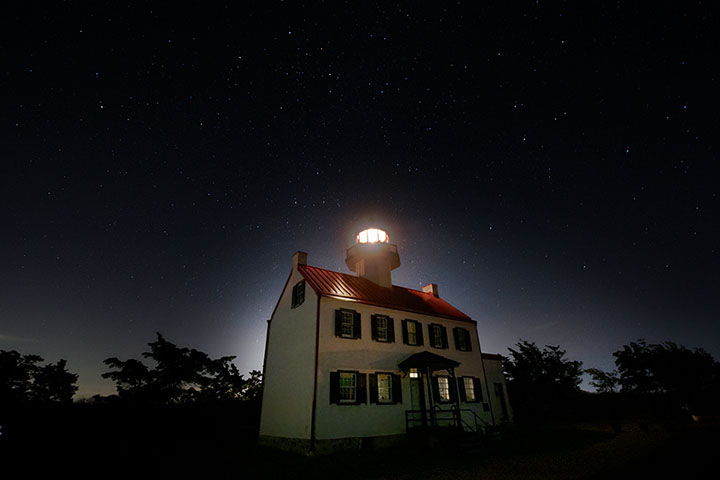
[(355, 276)]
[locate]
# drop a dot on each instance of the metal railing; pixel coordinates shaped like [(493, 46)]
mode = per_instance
[(438, 417)]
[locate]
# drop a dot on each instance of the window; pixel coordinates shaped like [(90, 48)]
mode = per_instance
[(412, 332), (298, 294), (438, 336), (385, 388), (384, 381), (383, 328), (462, 339), (347, 388), (444, 389), (469, 386), (347, 323)]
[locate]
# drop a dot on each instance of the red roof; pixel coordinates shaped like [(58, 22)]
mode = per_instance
[(362, 290)]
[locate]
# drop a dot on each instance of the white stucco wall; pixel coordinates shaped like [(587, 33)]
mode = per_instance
[(289, 366), (368, 356)]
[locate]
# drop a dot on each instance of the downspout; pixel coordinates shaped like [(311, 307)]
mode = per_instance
[(315, 374)]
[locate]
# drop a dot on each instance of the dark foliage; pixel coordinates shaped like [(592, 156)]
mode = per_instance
[(23, 379), (686, 378), (541, 383), (180, 375), (604, 382)]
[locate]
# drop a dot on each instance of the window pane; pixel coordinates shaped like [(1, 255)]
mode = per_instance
[(382, 332), (384, 388), (347, 387), (469, 389), (412, 333), (347, 324), (437, 335), (444, 387)]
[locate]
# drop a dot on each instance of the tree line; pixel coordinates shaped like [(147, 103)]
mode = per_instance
[(177, 375), (542, 383), (663, 379)]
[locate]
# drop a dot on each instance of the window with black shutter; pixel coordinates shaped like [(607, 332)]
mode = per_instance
[(443, 389), (385, 388), (412, 332), (438, 336), (298, 294), (348, 388), (383, 328), (347, 323), (468, 390), (462, 339)]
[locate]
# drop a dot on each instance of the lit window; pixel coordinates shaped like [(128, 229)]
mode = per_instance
[(414, 373), (444, 388), (348, 387), (469, 389), (384, 387), (347, 322), (372, 235)]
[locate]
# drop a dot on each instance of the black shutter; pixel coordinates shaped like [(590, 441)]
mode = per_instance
[(404, 332), (334, 387), (301, 293), (435, 389), (356, 325), (431, 335), (456, 335), (452, 382), (461, 389), (373, 388), (396, 389), (391, 329), (444, 337), (338, 323), (373, 326), (468, 342), (361, 387), (418, 329), (478, 390)]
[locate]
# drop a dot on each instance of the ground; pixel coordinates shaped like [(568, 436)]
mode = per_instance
[(208, 445)]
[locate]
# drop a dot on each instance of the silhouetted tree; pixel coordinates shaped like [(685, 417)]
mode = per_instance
[(253, 388), (684, 377), (180, 375), (540, 382), (604, 382), (23, 379)]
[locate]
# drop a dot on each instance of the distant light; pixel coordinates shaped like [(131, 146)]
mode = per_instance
[(414, 373), (372, 235)]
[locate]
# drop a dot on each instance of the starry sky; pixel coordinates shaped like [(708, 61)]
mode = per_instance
[(552, 166)]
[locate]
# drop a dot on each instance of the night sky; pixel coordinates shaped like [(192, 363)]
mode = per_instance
[(553, 167)]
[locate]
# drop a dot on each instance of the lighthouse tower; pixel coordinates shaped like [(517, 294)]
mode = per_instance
[(373, 257)]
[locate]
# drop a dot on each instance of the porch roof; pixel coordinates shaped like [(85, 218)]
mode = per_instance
[(429, 360)]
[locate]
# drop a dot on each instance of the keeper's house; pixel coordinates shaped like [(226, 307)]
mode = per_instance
[(353, 360)]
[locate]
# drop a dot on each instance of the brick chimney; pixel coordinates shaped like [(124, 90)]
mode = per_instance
[(431, 288)]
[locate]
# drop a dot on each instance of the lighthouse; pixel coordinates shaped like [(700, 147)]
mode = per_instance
[(373, 257)]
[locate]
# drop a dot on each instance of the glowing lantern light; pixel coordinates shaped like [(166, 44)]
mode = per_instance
[(372, 235)]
